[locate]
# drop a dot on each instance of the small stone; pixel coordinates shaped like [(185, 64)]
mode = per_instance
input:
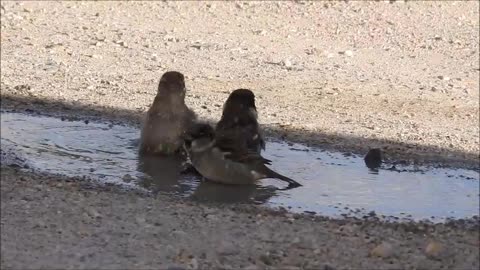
[(40, 224), (193, 264), (196, 46), (330, 55), (212, 217), (141, 220), (373, 159), (287, 63), (384, 250), (127, 178), (169, 38), (94, 213), (347, 53), (434, 249), (121, 43)]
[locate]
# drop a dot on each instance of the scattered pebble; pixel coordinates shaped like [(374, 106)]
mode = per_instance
[(287, 63), (93, 213), (127, 178), (434, 249), (384, 250), (347, 53)]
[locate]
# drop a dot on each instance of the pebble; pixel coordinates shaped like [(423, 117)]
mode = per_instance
[(121, 43), (287, 63), (140, 220), (434, 249), (40, 224), (347, 53), (93, 213), (169, 38), (384, 250), (127, 178), (193, 264)]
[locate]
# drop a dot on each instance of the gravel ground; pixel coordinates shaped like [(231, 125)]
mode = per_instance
[(57, 224), (344, 75), (348, 76)]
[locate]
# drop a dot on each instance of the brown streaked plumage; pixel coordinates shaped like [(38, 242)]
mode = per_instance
[(168, 118), (227, 164), (238, 125)]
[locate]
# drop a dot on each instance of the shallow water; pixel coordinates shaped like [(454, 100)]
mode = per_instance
[(333, 183)]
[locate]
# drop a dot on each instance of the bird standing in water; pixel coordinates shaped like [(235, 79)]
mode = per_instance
[(168, 118), (227, 164), (239, 126)]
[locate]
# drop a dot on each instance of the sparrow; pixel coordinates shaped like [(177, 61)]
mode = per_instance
[(227, 164), (168, 118), (238, 123)]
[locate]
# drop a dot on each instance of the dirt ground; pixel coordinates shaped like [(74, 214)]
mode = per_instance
[(401, 75), (53, 224), (347, 76)]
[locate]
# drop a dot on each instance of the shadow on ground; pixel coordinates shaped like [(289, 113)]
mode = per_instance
[(393, 150)]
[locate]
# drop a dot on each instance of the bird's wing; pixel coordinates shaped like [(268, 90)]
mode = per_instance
[(249, 134), (251, 158), (238, 151)]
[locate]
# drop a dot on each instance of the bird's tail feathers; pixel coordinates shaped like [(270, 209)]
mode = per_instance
[(291, 182)]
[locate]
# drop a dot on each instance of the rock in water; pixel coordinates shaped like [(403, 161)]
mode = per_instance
[(373, 159)]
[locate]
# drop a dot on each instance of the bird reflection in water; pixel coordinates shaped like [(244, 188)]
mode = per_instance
[(169, 174)]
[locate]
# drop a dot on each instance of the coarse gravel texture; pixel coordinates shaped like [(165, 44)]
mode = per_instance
[(51, 223), (346, 76)]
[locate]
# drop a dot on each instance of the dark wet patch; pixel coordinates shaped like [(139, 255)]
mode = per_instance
[(334, 184)]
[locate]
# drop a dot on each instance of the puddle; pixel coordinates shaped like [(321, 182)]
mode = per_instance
[(333, 184)]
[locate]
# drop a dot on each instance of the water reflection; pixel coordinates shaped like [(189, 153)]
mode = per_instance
[(331, 181)]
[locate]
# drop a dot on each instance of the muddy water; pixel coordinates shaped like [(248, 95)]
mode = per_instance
[(333, 184)]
